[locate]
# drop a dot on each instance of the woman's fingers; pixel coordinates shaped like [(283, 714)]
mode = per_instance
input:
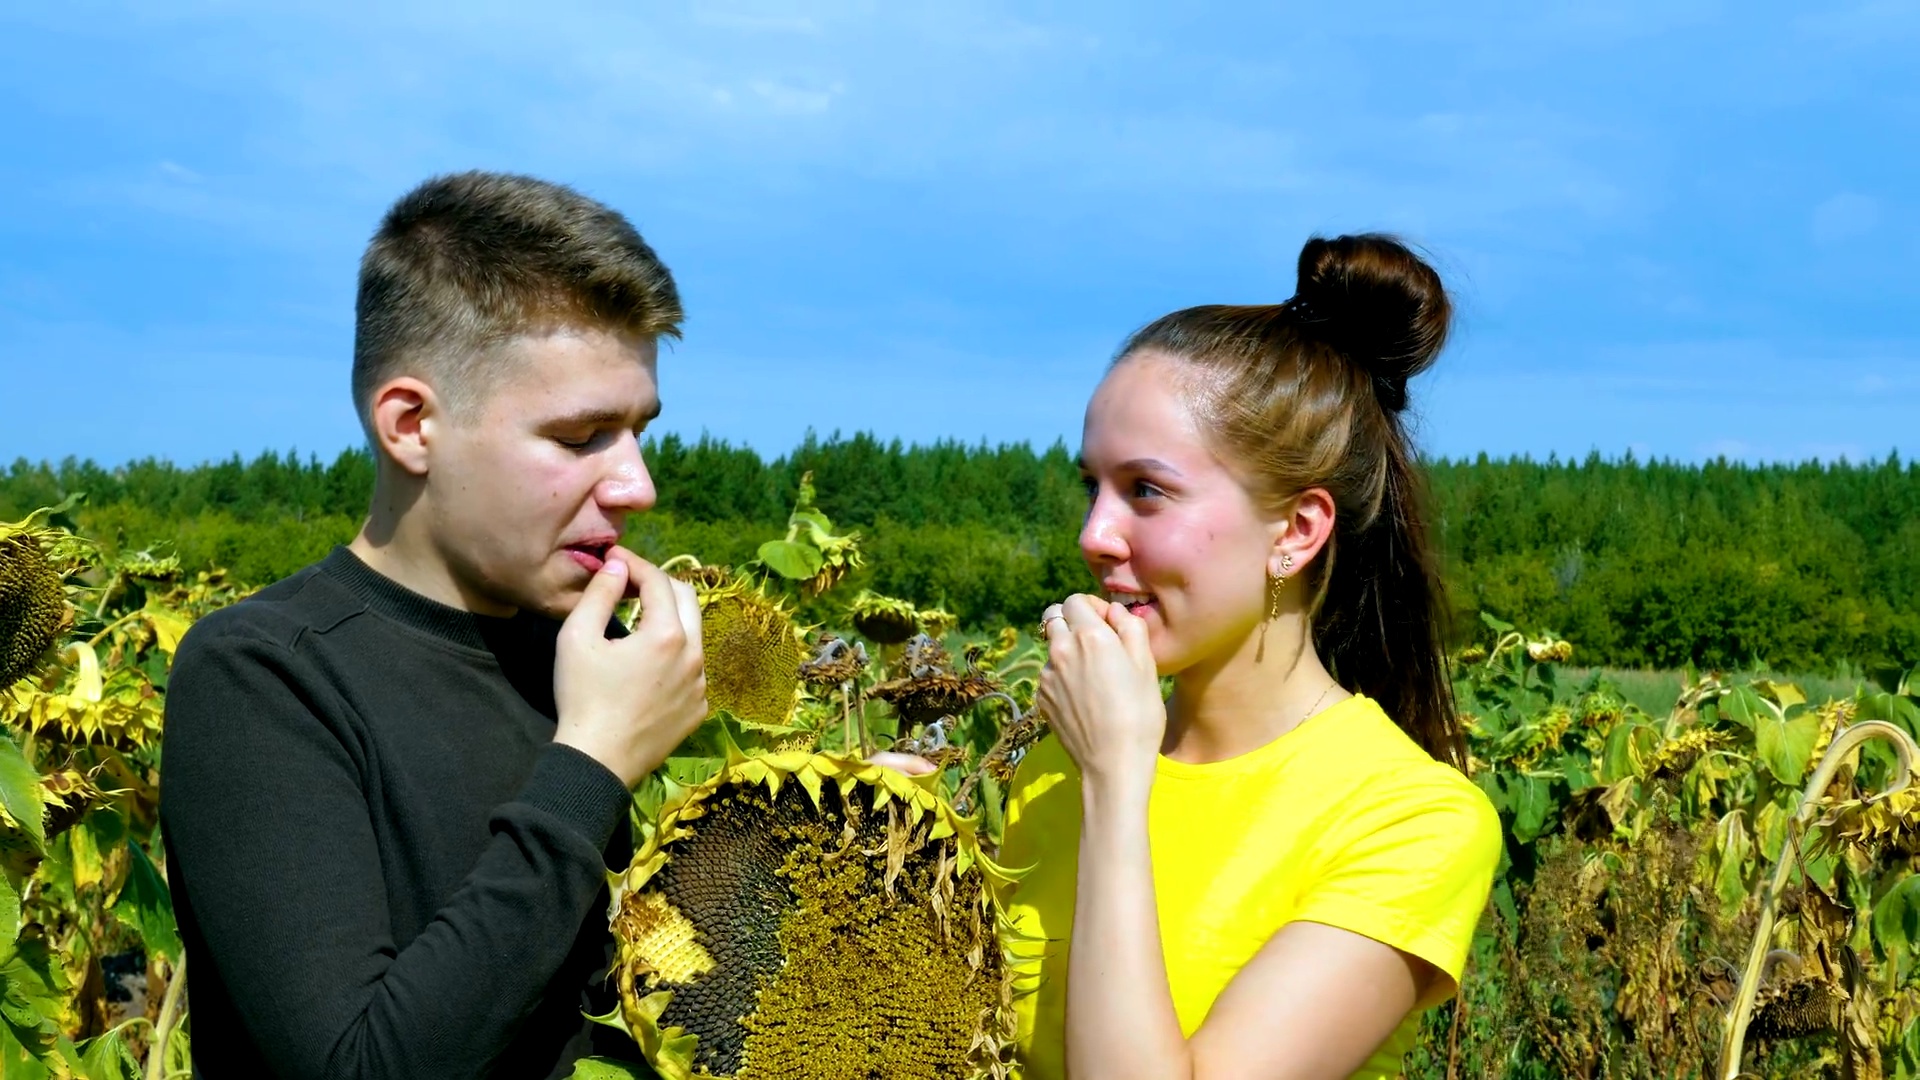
[(1133, 635), (1083, 611), (1048, 618)]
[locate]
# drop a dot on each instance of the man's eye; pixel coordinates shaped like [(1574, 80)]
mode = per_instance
[(576, 444)]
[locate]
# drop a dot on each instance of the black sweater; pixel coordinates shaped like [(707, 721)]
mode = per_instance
[(381, 864)]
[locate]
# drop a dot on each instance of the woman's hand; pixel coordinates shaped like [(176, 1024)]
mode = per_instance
[(1101, 691)]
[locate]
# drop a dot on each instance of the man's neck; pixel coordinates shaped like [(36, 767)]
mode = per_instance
[(400, 550)]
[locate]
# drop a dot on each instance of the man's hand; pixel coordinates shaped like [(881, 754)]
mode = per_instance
[(627, 702)]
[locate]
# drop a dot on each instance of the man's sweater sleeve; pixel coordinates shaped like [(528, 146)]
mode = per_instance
[(272, 841)]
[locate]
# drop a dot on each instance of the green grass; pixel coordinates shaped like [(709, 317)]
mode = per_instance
[(1655, 691)]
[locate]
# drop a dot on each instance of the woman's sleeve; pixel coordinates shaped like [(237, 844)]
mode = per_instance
[(1411, 867)]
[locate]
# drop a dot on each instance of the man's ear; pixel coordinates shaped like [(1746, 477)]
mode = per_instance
[(1300, 535), (405, 413)]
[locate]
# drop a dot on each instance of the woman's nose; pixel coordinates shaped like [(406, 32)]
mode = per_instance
[(1103, 536)]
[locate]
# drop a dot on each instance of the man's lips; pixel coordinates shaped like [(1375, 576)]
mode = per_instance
[(590, 554)]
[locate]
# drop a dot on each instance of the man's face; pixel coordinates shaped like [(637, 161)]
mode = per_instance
[(528, 490)]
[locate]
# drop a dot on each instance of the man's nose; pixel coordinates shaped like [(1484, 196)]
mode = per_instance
[(627, 487)]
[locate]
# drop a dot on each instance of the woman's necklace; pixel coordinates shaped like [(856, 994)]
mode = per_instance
[(1315, 707)]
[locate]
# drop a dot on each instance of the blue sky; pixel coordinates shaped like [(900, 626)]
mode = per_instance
[(1685, 229)]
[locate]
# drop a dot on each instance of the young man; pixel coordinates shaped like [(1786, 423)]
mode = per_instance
[(393, 782)]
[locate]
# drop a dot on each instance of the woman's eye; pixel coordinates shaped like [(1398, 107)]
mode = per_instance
[(1089, 485), (1144, 490)]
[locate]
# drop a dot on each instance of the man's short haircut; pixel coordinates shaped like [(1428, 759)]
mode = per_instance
[(465, 262)]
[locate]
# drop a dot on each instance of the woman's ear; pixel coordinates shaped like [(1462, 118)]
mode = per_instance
[(1301, 533), (404, 413)]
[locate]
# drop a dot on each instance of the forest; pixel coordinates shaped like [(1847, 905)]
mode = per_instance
[(1657, 564)]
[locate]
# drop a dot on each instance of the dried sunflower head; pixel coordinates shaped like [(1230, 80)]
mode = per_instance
[(1806, 1005), (835, 660), (69, 794), (933, 696), (812, 916), (753, 654)]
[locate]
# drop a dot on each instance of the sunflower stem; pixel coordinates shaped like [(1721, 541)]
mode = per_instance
[(169, 1010)]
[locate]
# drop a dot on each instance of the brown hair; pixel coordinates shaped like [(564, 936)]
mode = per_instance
[(1310, 393), (467, 261)]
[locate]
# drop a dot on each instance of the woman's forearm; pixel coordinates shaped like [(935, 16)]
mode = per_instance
[(1120, 1020)]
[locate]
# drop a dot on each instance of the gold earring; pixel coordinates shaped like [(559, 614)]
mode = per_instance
[(1275, 584)]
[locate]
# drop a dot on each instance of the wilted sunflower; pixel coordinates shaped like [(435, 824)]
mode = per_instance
[(1678, 754), (884, 620), (1549, 651), (834, 661), (812, 916), (1806, 1005), (68, 794), (931, 689), (33, 600), (1871, 824), (145, 565), (753, 654)]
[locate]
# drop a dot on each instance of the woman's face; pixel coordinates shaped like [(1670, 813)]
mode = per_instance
[(1171, 532)]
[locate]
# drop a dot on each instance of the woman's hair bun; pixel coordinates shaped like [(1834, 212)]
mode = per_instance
[(1376, 301)]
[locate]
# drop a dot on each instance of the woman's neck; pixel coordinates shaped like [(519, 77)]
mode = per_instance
[(1248, 697)]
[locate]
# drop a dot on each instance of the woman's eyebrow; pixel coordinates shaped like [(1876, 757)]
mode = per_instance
[(1145, 464), (1149, 465)]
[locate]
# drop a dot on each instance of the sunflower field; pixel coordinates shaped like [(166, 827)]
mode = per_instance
[(1724, 886)]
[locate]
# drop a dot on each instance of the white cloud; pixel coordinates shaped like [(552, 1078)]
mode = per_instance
[(793, 100)]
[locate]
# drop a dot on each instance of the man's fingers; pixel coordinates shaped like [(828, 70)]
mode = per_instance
[(603, 593), (657, 601), (686, 603)]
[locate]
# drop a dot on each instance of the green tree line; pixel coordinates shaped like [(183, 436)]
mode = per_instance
[(1721, 564)]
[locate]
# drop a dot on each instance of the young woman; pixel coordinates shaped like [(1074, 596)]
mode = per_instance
[(1274, 870)]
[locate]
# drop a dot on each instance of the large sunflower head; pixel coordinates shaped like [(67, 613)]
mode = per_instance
[(753, 654), (811, 915), (33, 598)]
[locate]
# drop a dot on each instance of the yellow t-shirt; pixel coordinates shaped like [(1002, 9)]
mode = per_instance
[(1344, 821)]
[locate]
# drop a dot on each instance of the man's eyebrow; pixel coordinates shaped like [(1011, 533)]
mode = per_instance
[(596, 417)]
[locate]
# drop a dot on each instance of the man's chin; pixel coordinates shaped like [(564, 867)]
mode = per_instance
[(555, 605)]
